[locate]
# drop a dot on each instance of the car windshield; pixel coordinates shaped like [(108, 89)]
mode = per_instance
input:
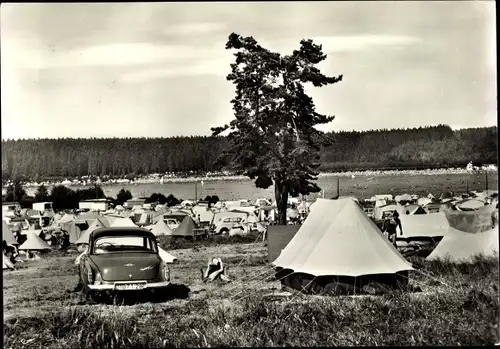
[(113, 244)]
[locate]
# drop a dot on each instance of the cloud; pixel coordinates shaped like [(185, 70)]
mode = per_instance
[(346, 43), (120, 54), (146, 53), (214, 61), (215, 67), (195, 28)]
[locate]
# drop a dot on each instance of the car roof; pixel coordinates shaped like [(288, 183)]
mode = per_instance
[(121, 231)]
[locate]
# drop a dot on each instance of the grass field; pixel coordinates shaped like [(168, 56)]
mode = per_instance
[(459, 305)]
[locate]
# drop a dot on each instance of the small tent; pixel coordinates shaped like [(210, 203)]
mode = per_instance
[(123, 222), (471, 221), (380, 203), (459, 246), (161, 229), (111, 218), (57, 217), (74, 232), (423, 201), (430, 225), (7, 234), (7, 264), (411, 210), (380, 211), (337, 238), (67, 218), (165, 256), (470, 204), (206, 215), (34, 242), (185, 228), (98, 223), (403, 198)]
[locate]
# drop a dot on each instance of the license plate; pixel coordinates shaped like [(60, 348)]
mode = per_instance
[(126, 287)]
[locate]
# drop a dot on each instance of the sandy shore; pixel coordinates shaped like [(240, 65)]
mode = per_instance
[(193, 179)]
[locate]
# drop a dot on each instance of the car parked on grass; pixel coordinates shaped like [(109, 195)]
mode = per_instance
[(122, 259), (226, 225)]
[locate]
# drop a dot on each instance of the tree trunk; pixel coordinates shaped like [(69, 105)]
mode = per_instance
[(281, 195)]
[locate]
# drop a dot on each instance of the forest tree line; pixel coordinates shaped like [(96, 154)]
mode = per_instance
[(425, 147)]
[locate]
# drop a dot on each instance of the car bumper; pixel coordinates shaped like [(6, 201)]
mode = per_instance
[(113, 286)]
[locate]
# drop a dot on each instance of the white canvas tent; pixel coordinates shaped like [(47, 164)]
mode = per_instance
[(206, 215), (98, 223), (34, 242), (161, 229), (379, 211), (471, 204), (462, 247), (7, 264), (425, 225), (337, 238), (123, 222), (7, 234), (424, 201), (404, 197), (167, 257)]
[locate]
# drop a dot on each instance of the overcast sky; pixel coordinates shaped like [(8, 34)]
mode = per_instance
[(158, 69)]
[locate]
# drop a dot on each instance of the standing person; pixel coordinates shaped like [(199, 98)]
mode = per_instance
[(65, 241), (391, 225)]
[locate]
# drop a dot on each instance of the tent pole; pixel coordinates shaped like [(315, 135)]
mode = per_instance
[(195, 191), (486, 180)]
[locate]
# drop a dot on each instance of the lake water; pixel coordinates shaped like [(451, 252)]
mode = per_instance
[(361, 186)]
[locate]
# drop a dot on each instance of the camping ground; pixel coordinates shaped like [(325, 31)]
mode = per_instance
[(458, 305)]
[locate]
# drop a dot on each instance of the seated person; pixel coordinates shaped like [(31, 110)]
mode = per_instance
[(32, 255), (215, 269)]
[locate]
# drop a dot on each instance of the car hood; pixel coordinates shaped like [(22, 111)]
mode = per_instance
[(127, 267)]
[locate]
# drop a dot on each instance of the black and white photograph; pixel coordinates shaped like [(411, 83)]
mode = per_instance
[(249, 174)]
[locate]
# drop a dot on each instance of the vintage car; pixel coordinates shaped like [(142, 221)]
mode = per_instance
[(122, 259)]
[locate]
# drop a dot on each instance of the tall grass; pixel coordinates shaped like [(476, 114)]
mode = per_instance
[(460, 318), (176, 243), (463, 312)]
